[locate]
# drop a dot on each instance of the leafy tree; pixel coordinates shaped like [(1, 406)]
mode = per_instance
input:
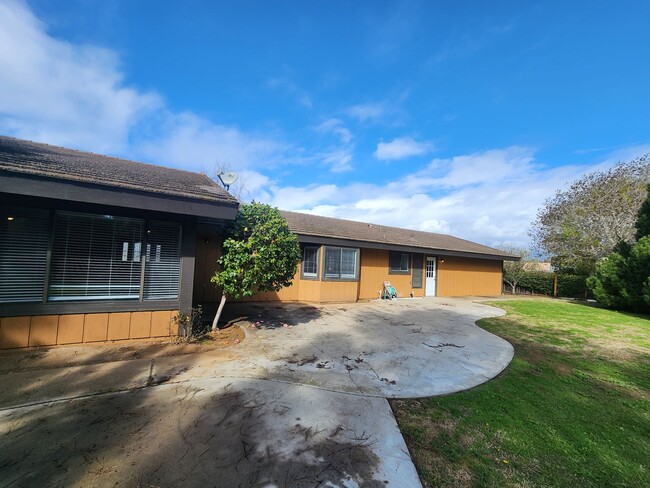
[(643, 217), (259, 254), (513, 271), (622, 279), (581, 225)]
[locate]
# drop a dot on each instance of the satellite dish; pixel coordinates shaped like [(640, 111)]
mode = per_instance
[(227, 179)]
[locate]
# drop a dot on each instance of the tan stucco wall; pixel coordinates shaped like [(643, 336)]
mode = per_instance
[(50, 330)]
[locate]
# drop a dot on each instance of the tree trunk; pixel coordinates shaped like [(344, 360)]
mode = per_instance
[(219, 310), (514, 289)]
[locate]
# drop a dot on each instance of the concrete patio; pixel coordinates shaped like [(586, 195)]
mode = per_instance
[(300, 402)]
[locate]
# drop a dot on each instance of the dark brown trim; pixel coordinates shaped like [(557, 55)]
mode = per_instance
[(63, 308), (34, 186), (188, 261)]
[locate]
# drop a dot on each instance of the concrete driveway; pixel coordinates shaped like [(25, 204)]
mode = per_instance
[(296, 405)]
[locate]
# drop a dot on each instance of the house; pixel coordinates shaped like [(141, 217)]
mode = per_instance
[(346, 261), (95, 248), (541, 266)]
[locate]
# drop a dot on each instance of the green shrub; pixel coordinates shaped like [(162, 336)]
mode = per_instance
[(622, 279), (571, 285), (537, 282)]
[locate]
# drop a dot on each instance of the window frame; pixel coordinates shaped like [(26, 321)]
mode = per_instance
[(357, 256), (109, 261), (63, 307), (316, 276), (392, 271)]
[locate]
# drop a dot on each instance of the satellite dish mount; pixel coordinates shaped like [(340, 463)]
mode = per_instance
[(227, 179)]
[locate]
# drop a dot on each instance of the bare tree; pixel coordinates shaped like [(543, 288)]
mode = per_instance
[(581, 225), (513, 271)]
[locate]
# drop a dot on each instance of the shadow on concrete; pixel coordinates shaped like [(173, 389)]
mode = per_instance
[(271, 315), (154, 432)]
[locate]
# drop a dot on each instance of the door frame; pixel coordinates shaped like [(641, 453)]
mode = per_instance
[(435, 276)]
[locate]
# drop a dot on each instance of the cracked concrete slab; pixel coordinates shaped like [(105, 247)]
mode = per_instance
[(211, 432), (331, 367)]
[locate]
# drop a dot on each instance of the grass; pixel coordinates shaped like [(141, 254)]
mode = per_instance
[(572, 409)]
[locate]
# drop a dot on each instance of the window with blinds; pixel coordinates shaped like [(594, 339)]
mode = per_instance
[(23, 254), (398, 262), (340, 263), (163, 261), (95, 257), (310, 262)]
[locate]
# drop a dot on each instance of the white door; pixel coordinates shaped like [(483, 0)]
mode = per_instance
[(430, 285)]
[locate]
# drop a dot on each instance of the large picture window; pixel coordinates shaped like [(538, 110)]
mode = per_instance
[(95, 257), (23, 254), (340, 263), (310, 262), (398, 262)]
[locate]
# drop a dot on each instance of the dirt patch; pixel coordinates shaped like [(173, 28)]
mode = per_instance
[(78, 355)]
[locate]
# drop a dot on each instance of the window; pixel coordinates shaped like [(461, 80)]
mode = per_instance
[(23, 254), (398, 262), (310, 262), (418, 262), (162, 270), (95, 257), (341, 263), (62, 256)]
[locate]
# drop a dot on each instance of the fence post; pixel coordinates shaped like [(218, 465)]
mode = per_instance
[(555, 285)]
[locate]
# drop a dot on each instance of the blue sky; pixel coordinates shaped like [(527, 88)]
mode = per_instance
[(454, 117)]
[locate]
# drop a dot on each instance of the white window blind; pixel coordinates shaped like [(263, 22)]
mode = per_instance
[(94, 257), (163, 266), (23, 254)]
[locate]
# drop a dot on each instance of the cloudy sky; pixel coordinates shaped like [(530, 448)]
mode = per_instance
[(455, 117)]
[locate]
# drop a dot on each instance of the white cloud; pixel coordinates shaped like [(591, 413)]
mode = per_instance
[(290, 88), (459, 196), (367, 111), (58, 92), (75, 95), (401, 148), (335, 126), (186, 140), (338, 157)]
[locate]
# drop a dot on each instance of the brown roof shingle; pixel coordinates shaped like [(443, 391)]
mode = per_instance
[(37, 159), (313, 225)]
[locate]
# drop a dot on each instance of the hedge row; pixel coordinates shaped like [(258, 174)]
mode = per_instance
[(541, 283)]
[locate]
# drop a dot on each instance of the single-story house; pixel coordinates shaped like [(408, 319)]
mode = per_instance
[(346, 261), (95, 248)]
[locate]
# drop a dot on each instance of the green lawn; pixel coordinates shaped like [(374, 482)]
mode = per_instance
[(572, 409)]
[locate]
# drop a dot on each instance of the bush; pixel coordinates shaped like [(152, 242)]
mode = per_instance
[(622, 279), (537, 282), (571, 285)]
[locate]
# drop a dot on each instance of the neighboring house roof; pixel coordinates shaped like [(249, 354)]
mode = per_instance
[(42, 160), (359, 232), (538, 266)]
